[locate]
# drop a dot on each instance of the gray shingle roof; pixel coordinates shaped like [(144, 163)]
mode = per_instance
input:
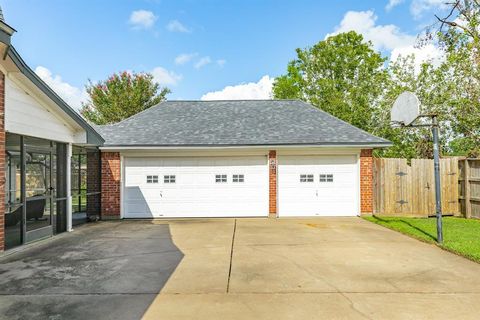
[(235, 123)]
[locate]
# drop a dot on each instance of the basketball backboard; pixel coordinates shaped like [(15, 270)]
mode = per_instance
[(406, 109)]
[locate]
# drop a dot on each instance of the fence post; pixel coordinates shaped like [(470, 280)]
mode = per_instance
[(466, 181)]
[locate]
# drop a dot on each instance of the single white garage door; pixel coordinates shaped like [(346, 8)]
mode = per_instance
[(318, 186), (195, 187)]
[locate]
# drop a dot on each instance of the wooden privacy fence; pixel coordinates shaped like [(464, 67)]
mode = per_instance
[(469, 187), (409, 190)]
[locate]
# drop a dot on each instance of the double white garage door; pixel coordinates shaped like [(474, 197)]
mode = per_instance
[(239, 186)]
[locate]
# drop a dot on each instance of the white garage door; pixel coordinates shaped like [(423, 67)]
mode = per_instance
[(318, 186), (195, 187)]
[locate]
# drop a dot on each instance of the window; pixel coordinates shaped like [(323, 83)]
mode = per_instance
[(169, 179), (238, 178), (326, 177), (220, 178), (152, 179), (306, 178)]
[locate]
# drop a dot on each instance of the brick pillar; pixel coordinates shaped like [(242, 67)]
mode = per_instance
[(272, 178), (366, 181), (110, 185), (2, 161)]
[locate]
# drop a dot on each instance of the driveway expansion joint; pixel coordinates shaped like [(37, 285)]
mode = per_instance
[(231, 254)]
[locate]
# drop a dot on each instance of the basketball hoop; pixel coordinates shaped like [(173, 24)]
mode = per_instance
[(405, 110)]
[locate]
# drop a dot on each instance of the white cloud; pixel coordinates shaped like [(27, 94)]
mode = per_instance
[(142, 19), (221, 62), (393, 3), (387, 38), (422, 54), (184, 58), (203, 62), (164, 77), (71, 94), (177, 26), (383, 37), (418, 7), (253, 90)]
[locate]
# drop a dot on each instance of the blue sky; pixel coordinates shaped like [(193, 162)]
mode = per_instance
[(198, 47)]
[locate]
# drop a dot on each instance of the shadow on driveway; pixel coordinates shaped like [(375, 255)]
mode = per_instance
[(110, 270)]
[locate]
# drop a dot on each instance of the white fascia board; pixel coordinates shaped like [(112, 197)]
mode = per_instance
[(268, 147), (233, 151)]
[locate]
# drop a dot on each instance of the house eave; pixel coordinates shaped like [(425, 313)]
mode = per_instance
[(93, 137)]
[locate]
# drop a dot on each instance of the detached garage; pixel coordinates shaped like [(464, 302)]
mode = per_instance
[(253, 158)]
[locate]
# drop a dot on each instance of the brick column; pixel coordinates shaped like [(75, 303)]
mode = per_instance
[(110, 185), (2, 161), (272, 178), (366, 181)]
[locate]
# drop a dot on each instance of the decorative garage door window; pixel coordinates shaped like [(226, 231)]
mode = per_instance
[(220, 178), (238, 178), (326, 177), (152, 179), (169, 179), (306, 178)]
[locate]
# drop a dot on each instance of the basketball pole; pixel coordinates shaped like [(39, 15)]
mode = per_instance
[(438, 192), (436, 167)]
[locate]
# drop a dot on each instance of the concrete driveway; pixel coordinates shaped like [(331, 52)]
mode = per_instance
[(326, 268)]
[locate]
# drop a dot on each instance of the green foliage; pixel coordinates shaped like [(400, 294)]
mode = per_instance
[(460, 235), (463, 67), (121, 96), (463, 146), (344, 76), (430, 87), (341, 75)]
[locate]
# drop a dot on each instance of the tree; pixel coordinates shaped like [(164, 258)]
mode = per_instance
[(121, 96), (459, 34), (429, 84), (341, 75), (463, 17)]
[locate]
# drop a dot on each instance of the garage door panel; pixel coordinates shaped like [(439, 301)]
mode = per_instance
[(195, 192), (318, 198)]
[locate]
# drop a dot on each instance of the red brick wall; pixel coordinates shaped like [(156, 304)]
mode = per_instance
[(366, 181), (110, 185), (2, 161), (272, 172)]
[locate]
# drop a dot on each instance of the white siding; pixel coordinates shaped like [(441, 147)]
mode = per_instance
[(26, 115)]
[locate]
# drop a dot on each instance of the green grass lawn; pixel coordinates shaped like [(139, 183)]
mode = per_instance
[(461, 236)]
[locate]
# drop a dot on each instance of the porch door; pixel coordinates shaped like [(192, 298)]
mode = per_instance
[(39, 190)]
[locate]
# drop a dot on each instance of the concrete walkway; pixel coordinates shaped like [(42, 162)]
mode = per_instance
[(325, 268)]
